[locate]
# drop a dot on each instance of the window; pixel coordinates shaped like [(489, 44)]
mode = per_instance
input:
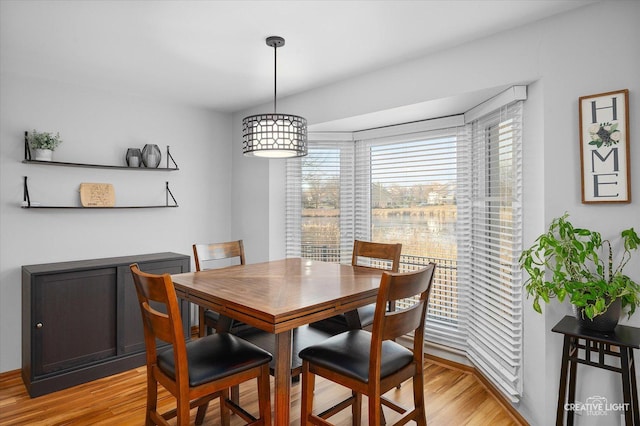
[(406, 192), (319, 220), (450, 195)]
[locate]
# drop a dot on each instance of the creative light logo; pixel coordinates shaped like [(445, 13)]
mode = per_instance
[(596, 406)]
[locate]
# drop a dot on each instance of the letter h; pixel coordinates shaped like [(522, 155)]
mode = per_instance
[(594, 110)]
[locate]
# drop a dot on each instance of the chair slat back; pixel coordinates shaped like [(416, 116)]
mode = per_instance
[(157, 292), (204, 254), (370, 254), (395, 286)]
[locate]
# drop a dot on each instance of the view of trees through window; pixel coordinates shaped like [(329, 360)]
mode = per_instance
[(321, 204), (411, 199), (413, 196)]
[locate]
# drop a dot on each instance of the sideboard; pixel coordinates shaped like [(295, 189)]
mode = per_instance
[(81, 320)]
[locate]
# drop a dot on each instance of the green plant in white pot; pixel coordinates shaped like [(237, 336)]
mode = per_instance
[(43, 144), (582, 269)]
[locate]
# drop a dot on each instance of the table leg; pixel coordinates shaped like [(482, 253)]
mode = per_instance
[(631, 412), (634, 388), (573, 367), (562, 388), (282, 372), (224, 326)]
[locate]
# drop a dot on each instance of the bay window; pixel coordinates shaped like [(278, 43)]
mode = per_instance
[(451, 196)]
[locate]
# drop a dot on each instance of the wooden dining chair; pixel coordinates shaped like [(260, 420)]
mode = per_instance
[(197, 371), (372, 363), (209, 256), (366, 254)]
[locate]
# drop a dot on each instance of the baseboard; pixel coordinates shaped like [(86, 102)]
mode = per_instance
[(11, 374)]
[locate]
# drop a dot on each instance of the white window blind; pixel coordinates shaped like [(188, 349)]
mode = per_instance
[(406, 192), (492, 242), (320, 202)]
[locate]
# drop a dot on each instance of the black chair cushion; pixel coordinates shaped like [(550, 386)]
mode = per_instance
[(348, 354), (334, 325), (338, 323), (215, 356), (211, 317), (366, 314)]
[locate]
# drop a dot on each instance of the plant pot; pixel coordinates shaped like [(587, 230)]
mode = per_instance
[(605, 322), (43, 154)]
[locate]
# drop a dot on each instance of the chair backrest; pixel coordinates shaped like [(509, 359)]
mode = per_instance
[(387, 325), (376, 255), (205, 254), (156, 294)]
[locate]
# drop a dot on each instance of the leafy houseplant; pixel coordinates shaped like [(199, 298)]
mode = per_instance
[(573, 255), (44, 143), (44, 140)]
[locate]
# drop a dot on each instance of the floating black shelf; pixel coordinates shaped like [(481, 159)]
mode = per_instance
[(98, 208), (101, 166), (27, 201), (171, 166)]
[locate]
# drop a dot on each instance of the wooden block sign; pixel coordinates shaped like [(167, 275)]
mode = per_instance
[(97, 195)]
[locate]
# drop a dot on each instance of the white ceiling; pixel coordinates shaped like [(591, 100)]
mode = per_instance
[(213, 54)]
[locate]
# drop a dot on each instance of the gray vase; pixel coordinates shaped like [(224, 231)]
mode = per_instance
[(605, 322), (151, 156)]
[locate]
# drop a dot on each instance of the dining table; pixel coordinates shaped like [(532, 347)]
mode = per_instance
[(278, 296)]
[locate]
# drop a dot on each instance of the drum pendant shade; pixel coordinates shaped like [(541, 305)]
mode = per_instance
[(274, 135)]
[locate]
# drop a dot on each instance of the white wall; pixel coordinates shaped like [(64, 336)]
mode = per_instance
[(98, 127), (590, 50)]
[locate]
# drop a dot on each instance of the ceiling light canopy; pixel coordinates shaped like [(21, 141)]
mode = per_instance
[(274, 135)]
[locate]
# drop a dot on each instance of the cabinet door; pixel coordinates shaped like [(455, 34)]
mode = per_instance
[(74, 319), (131, 326)]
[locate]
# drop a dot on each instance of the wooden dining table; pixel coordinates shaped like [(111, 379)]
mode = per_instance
[(277, 297)]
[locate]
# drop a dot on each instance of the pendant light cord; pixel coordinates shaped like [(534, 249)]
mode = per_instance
[(275, 77)]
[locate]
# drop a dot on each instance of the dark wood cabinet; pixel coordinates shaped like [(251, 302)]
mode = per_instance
[(81, 321)]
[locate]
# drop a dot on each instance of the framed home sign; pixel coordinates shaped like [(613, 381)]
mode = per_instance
[(604, 147)]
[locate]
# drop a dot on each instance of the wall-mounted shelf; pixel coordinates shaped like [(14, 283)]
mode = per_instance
[(103, 166), (26, 203), (171, 166)]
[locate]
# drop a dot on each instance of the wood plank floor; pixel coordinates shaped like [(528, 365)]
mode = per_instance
[(453, 397)]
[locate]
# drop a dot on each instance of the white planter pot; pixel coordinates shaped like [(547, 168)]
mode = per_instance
[(44, 154)]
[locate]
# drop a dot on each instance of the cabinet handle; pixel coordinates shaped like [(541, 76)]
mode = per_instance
[(39, 325)]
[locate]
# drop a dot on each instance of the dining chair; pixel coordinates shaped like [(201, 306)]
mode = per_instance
[(366, 254), (209, 256), (370, 362), (197, 371)]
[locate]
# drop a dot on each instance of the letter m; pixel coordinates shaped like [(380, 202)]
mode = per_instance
[(595, 153)]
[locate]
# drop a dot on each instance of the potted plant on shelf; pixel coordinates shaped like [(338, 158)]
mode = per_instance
[(582, 269), (44, 143)]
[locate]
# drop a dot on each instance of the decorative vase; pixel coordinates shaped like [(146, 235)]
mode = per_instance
[(605, 322), (151, 156), (44, 154), (134, 157)]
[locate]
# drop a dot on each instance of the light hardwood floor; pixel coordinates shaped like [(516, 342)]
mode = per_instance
[(453, 397)]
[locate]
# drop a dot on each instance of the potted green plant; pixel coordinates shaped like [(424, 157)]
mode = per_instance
[(582, 268), (43, 144)]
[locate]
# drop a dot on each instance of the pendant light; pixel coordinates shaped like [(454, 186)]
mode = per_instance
[(274, 135)]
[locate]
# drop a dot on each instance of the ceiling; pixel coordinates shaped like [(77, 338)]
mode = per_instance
[(213, 54)]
